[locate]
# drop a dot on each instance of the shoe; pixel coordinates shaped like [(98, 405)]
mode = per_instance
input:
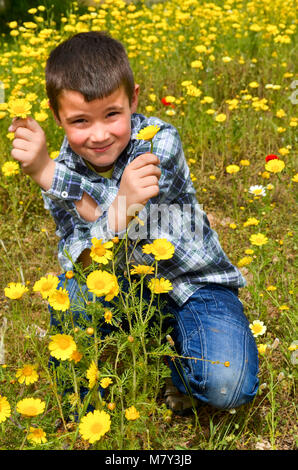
[(178, 402)]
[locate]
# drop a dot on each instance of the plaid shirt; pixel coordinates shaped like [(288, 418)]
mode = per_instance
[(174, 214)]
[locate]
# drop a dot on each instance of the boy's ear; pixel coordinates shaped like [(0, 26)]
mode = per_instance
[(54, 115), (135, 98)]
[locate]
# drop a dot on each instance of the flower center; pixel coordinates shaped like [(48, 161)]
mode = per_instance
[(96, 428)]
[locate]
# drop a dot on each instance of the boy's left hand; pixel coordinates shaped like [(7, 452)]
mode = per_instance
[(30, 149)]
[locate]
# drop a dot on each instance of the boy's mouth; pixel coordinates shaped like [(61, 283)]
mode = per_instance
[(101, 149)]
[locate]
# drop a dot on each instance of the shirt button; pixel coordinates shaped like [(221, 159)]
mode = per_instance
[(64, 194)]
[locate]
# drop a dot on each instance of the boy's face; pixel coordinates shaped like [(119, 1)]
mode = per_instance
[(97, 130)]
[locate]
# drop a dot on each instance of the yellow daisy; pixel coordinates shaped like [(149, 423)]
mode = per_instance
[(100, 251), (37, 435), (94, 425), (232, 169), (142, 269), (275, 166), (258, 239), (102, 283), (257, 327), (92, 374), (5, 409), (245, 261), (132, 413), (160, 286), (62, 346), (10, 168), (147, 133), (27, 374), (19, 108), (15, 290), (108, 315), (59, 299), (46, 285), (105, 382), (30, 407), (160, 248)]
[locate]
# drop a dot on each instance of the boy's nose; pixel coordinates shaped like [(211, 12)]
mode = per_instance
[(99, 134)]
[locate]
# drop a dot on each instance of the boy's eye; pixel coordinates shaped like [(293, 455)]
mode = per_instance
[(78, 121), (112, 113)]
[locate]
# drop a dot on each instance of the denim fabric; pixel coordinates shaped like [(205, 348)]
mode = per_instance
[(211, 325), (208, 328)]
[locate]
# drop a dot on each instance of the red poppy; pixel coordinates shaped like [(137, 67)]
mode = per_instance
[(167, 103), (271, 157)]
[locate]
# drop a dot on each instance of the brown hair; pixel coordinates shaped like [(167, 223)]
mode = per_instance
[(91, 63)]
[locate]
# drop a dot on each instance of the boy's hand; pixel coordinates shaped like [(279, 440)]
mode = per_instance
[(139, 181), (30, 149), (138, 184)]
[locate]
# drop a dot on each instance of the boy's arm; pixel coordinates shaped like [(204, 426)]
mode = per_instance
[(30, 149), (139, 181)]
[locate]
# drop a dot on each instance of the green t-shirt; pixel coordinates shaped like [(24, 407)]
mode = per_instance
[(105, 174)]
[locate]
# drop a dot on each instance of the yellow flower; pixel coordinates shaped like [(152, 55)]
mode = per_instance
[(30, 407), (147, 133), (160, 248), (275, 166), (54, 154), (27, 374), (103, 283), (142, 269), (196, 64), (232, 169), (37, 435), (92, 374), (100, 252), (132, 413), (160, 286), (244, 162), (105, 382), (5, 409), (108, 316), (76, 356), (19, 108), (94, 425), (262, 348), (15, 290), (271, 288), (257, 327), (245, 261), (59, 300), (253, 84), (258, 239), (220, 117), (62, 346), (295, 178), (10, 169), (46, 285), (251, 221)]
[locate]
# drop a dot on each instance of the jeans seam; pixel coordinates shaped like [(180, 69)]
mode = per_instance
[(243, 369), (203, 344)]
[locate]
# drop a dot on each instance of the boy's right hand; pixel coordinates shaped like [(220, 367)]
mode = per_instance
[(138, 184), (30, 149), (139, 181)]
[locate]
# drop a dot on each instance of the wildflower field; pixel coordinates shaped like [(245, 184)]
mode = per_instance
[(223, 73)]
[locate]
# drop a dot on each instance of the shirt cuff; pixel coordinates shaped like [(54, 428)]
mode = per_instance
[(66, 186)]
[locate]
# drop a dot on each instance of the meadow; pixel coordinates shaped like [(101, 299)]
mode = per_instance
[(224, 74)]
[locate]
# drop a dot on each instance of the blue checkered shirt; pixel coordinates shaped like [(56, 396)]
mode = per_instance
[(174, 214)]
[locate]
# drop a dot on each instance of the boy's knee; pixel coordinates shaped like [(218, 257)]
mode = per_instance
[(225, 391)]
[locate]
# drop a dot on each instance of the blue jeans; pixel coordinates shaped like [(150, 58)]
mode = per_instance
[(220, 358), (211, 325)]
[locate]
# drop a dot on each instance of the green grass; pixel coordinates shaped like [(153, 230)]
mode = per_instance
[(161, 45)]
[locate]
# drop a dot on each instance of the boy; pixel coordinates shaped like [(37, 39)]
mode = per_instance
[(103, 174)]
